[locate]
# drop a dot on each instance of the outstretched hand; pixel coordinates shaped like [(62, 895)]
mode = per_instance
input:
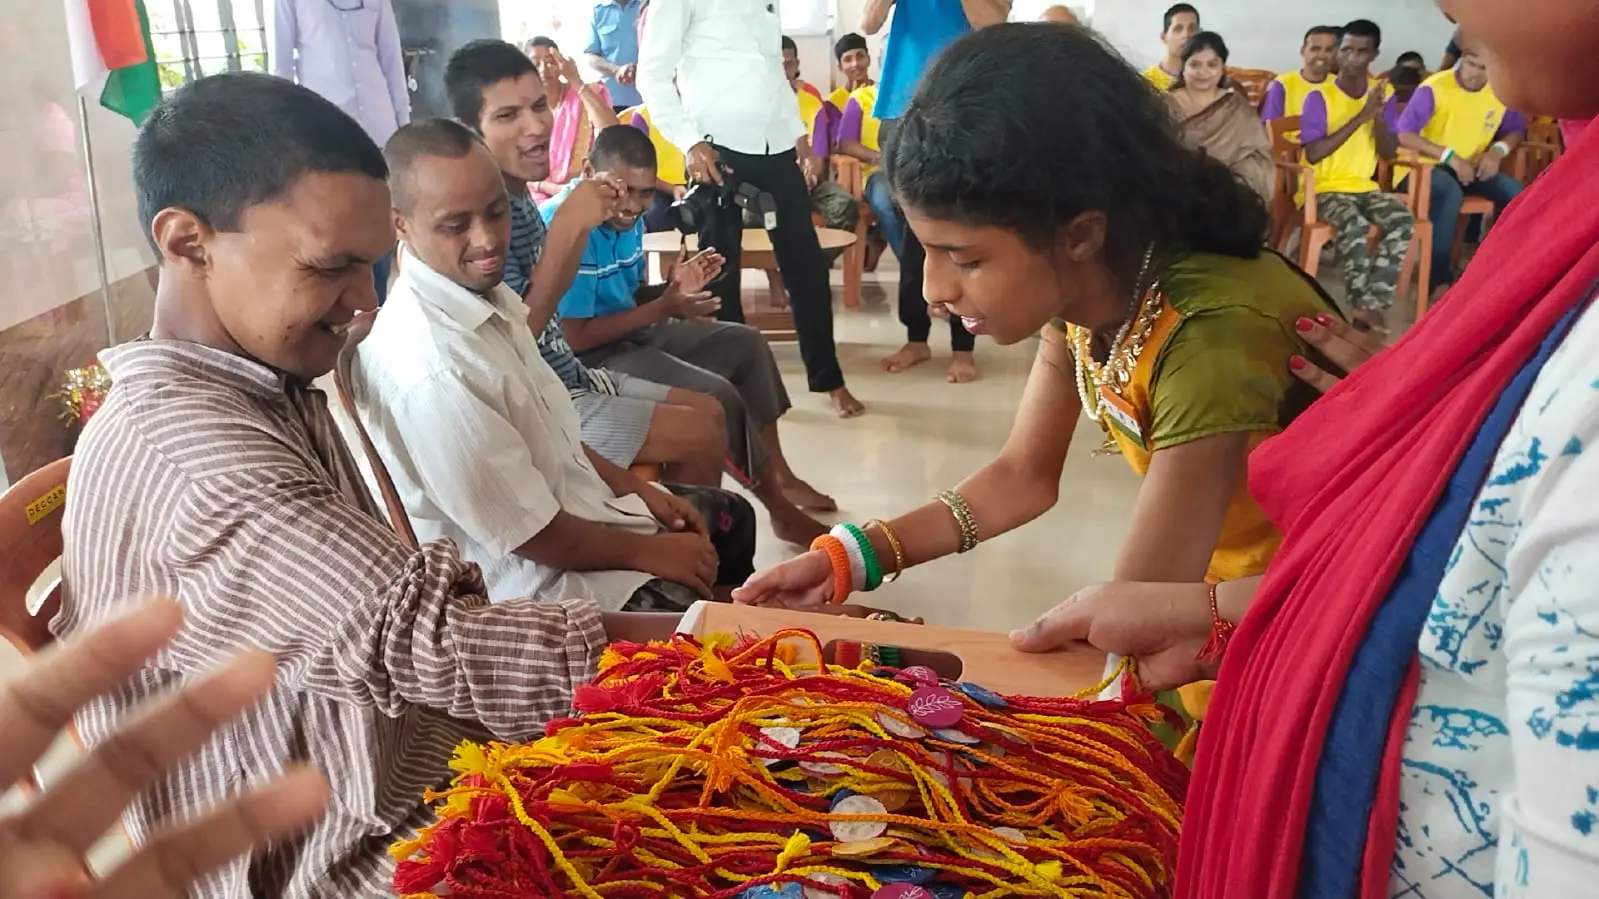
[(1162, 626), (42, 847), (804, 582), (691, 274)]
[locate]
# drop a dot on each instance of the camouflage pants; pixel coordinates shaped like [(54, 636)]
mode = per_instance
[(1372, 279)]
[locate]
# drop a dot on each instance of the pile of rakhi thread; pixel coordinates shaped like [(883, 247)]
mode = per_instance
[(723, 769)]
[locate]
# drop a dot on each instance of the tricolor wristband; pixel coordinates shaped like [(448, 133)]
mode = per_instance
[(1448, 156), (857, 561)]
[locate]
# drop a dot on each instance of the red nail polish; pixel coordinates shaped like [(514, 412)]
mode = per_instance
[(1297, 363), (1304, 325), (1325, 320)]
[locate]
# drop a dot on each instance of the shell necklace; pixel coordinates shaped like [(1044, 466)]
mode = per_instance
[(1117, 372)]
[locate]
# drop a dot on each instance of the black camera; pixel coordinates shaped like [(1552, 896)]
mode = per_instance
[(710, 209)]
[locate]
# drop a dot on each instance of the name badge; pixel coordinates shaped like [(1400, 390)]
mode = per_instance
[(1121, 415)]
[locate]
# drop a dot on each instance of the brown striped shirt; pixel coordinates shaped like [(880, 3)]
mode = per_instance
[(207, 477)]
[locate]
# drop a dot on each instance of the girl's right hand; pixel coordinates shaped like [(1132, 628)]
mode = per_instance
[(804, 583), (1342, 345)]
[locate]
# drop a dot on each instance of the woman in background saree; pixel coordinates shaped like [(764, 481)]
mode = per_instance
[(581, 111), (1214, 118), (1410, 703)]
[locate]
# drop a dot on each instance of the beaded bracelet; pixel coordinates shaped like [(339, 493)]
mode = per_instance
[(873, 566), (963, 519), (893, 541), (1221, 632), (836, 553)]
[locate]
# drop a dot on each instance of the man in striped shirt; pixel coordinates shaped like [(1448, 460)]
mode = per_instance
[(214, 474)]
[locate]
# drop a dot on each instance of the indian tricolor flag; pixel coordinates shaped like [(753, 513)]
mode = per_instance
[(113, 62)]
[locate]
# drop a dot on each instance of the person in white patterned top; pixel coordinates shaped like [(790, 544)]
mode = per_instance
[(214, 474)]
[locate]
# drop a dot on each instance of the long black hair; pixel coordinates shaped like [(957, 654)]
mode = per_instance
[(1024, 126), (1205, 40)]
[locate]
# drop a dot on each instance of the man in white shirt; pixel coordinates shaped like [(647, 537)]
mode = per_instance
[(711, 74), (479, 433), (349, 52)]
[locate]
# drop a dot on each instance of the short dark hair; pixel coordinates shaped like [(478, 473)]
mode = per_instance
[(1404, 76), (540, 40), (1204, 40), (224, 143), (788, 44), (970, 147), (1332, 31), (848, 42), (423, 139), (1175, 11), (622, 144), (1364, 28), (475, 68), (1410, 56)]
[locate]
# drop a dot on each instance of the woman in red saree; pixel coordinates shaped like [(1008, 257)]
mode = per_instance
[(581, 111), (1410, 703)]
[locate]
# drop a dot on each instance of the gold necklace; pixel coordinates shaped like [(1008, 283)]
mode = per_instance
[(1125, 348)]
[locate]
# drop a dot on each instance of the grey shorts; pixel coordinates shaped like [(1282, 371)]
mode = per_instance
[(616, 426)]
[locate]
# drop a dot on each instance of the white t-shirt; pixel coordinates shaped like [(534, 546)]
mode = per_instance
[(1500, 789), (481, 437)]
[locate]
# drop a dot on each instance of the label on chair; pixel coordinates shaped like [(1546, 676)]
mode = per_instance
[(41, 508)]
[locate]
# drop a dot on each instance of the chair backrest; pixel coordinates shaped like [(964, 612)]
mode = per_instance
[(30, 543), (1293, 186), (400, 521), (1253, 82)]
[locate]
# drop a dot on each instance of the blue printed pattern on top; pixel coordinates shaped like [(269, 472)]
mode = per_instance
[(1500, 788)]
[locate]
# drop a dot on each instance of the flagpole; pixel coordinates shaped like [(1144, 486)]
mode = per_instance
[(95, 223)]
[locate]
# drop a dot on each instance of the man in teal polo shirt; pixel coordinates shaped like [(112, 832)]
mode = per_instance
[(612, 318), (919, 32)]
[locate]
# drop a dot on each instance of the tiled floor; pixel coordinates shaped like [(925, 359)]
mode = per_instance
[(921, 435)]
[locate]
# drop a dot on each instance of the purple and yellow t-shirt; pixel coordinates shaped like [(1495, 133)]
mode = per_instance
[(1468, 122), (1286, 95), (858, 124), (818, 124), (1352, 168)]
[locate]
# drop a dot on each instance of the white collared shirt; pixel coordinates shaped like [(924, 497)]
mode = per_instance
[(481, 437), (727, 57)]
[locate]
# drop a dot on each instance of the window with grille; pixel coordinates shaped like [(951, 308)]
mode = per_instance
[(194, 38)]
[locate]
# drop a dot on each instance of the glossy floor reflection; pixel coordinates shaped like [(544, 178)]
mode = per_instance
[(921, 435)]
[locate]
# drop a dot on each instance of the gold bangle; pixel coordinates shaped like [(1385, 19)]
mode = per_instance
[(963, 519), (893, 541)]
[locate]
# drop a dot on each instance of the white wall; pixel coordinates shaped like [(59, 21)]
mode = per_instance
[(1265, 34)]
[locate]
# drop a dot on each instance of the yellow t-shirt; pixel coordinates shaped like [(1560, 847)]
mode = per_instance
[(1463, 121), (863, 127), (1352, 168), (838, 98), (1296, 88), (1157, 76)]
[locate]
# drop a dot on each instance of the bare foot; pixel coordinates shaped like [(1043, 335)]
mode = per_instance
[(845, 404), (807, 497), (962, 368), (906, 356), (790, 525)]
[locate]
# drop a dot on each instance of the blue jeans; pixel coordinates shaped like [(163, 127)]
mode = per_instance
[(881, 201), (1448, 195)]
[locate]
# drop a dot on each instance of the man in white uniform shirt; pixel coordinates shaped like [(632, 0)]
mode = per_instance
[(711, 73), (349, 52), (481, 436)]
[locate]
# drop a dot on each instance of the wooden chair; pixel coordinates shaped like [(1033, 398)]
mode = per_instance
[(847, 171), (1253, 82), (30, 543), (1473, 206), (1293, 208), (1417, 267), (1538, 152)]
